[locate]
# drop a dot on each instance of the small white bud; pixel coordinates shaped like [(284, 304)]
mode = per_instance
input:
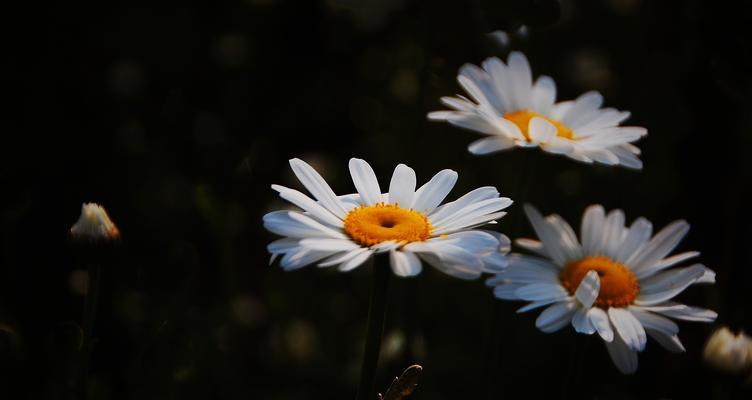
[(728, 352), (94, 224)]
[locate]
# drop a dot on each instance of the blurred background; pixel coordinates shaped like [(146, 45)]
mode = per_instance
[(177, 116)]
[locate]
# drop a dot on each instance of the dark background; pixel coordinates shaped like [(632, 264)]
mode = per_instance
[(177, 116)]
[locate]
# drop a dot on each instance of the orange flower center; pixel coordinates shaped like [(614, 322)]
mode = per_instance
[(522, 120), (370, 225), (619, 286)]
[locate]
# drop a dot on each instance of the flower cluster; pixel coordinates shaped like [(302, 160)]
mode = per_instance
[(614, 281)]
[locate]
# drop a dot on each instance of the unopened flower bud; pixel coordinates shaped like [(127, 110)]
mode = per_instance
[(729, 352), (94, 224)]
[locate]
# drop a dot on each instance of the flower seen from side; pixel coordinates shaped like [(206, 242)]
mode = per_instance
[(409, 224), (614, 281), (513, 110)]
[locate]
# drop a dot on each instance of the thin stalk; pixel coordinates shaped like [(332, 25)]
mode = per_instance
[(90, 310), (526, 166), (376, 317)]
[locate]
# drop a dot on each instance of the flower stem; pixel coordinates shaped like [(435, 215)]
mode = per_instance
[(376, 317), (493, 352), (90, 309)]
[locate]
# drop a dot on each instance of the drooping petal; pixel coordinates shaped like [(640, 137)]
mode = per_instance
[(404, 263), (623, 357), (629, 328)]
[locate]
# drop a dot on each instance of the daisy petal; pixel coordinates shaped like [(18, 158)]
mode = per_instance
[(556, 316), (430, 195), (623, 357), (356, 261), (365, 181), (581, 322), (628, 327), (490, 145), (592, 228), (659, 246), (404, 263), (599, 319), (665, 285), (588, 290), (402, 185), (542, 291), (317, 186)]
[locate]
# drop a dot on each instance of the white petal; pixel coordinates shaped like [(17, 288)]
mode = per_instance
[(659, 246), (342, 257), (548, 235), (542, 291), (327, 244), (479, 212), (666, 263), (623, 357), (683, 312), (581, 322), (534, 305), (302, 257), (540, 130), (588, 289), (584, 107), (558, 145), (628, 327), (556, 316), (490, 145), (669, 342), (317, 186), (521, 80), (665, 285), (402, 186), (365, 181), (543, 94), (599, 319), (532, 246), (639, 233), (356, 261), (308, 204), (457, 270), (508, 292), (452, 208), (592, 229), (568, 239), (404, 263), (653, 321), (297, 225), (613, 231), (430, 195)]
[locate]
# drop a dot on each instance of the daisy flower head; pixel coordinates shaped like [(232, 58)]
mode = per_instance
[(512, 109), (616, 281), (411, 225)]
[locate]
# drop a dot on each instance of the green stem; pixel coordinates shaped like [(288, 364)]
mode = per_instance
[(376, 317), (90, 310), (526, 166)]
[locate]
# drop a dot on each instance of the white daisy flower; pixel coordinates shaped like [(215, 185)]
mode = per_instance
[(409, 224), (614, 281), (513, 110)]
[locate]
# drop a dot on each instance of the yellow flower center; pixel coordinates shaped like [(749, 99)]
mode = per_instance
[(618, 285), (370, 225), (522, 120)]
